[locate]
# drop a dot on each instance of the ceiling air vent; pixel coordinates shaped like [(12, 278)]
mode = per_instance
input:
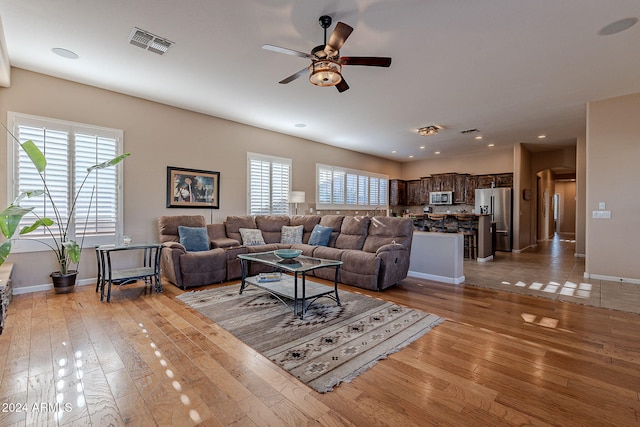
[(469, 131), (149, 41)]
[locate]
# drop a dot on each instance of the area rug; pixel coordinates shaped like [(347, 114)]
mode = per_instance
[(332, 344)]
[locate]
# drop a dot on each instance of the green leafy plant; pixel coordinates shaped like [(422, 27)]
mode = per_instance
[(66, 250)]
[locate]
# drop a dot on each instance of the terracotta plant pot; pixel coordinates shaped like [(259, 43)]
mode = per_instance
[(64, 283)]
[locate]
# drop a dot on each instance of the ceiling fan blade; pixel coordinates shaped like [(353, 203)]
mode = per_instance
[(292, 77), (342, 86), (286, 51), (371, 61), (337, 39)]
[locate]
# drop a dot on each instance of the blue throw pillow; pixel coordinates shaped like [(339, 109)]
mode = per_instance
[(194, 239), (320, 235)]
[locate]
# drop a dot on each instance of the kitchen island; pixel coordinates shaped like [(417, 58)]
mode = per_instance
[(482, 224)]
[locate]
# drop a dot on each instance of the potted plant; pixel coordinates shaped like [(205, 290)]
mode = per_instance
[(67, 251)]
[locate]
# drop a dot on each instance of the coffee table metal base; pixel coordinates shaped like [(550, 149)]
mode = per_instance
[(285, 289)]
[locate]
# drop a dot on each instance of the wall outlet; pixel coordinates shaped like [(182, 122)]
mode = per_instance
[(602, 206), (602, 214)]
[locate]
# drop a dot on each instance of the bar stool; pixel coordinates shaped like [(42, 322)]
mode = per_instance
[(437, 222), (465, 227)]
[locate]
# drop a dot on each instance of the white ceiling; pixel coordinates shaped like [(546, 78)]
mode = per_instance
[(513, 69)]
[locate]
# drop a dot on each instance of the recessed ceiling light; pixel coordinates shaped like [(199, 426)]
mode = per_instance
[(411, 156), (422, 147), (300, 125), (479, 137), (437, 152), (542, 136), (618, 26), (65, 53), (393, 152), (491, 145)]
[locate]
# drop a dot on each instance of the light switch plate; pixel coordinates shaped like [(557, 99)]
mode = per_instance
[(602, 214)]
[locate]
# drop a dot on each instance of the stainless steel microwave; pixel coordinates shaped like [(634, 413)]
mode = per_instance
[(441, 197)]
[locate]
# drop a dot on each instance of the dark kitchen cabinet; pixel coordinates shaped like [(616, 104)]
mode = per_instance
[(397, 192), (504, 180), (459, 185), (425, 189), (413, 192), (442, 181), (470, 185), (485, 181)]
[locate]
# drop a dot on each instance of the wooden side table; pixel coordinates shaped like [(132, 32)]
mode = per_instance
[(6, 291)]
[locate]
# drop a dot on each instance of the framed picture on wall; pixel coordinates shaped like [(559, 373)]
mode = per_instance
[(192, 188)]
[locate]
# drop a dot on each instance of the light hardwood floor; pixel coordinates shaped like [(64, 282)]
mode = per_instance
[(501, 358)]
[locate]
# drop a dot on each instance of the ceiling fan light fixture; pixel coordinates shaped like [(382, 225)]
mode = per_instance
[(325, 72), (428, 131)]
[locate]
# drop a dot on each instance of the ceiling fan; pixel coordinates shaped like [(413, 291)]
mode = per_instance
[(326, 62)]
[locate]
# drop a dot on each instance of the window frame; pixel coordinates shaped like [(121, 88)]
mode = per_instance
[(351, 178), (271, 160), (31, 242)]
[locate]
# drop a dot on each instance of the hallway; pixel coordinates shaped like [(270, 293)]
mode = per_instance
[(551, 270)]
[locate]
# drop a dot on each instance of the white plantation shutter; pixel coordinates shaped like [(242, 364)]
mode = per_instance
[(269, 181), (97, 204), (341, 188), (69, 148), (352, 189), (325, 189)]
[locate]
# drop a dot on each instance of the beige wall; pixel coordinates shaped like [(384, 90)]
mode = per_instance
[(523, 210), (493, 160), (613, 173), (159, 136), (581, 194)]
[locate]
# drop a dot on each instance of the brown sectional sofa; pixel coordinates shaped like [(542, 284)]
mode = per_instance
[(374, 250)]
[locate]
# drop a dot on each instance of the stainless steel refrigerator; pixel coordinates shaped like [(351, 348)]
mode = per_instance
[(497, 202)]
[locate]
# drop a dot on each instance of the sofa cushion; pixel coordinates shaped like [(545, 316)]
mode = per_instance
[(233, 224), (320, 235), (353, 232), (251, 236), (335, 222), (271, 226), (168, 226), (194, 239), (291, 234), (308, 222)]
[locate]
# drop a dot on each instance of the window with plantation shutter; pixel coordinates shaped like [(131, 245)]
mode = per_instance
[(70, 148), (269, 182), (341, 188)]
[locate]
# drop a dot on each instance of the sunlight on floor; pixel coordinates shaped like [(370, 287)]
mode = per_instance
[(193, 414), (546, 322), (583, 290)]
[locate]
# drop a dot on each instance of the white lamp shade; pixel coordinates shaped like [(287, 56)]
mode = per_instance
[(296, 197)]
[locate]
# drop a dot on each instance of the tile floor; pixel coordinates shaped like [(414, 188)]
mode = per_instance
[(550, 270)]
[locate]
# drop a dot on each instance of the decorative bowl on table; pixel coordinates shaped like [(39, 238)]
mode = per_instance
[(287, 253)]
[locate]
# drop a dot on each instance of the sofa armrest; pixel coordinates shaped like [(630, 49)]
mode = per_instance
[(174, 246), (224, 242), (170, 262), (394, 264), (391, 247)]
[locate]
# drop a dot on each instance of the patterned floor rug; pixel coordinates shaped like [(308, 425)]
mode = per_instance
[(331, 345)]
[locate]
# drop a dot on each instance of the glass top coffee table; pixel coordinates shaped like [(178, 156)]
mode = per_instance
[(288, 286)]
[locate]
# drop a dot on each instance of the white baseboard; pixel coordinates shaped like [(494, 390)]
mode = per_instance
[(48, 287), (451, 280), (611, 278)]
